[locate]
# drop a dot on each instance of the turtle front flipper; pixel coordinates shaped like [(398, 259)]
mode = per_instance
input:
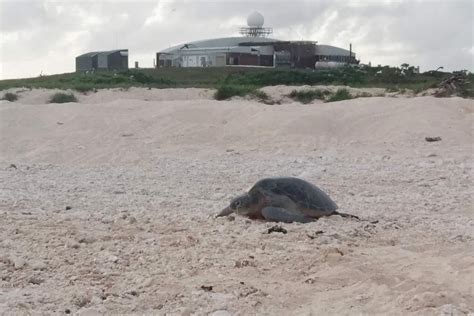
[(225, 212), (278, 214)]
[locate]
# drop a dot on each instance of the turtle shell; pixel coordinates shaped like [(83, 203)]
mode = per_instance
[(305, 195)]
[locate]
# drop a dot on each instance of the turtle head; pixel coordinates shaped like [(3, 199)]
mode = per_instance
[(239, 205)]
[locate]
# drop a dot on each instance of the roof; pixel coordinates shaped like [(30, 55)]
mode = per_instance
[(92, 54), (215, 50), (236, 43), (328, 50), (266, 43), (218, 43)]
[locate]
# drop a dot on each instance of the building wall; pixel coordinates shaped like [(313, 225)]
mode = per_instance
[(301, 54), (102, 62), (220, 60), (245, 51), (336, 58), (216, 57), (242, 59), (115, 60), (190, 61), (266, 60), (85, 63)]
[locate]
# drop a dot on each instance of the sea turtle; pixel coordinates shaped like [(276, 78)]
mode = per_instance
[(283, 200)]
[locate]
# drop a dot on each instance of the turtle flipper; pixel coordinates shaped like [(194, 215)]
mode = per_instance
[(346, 215), (225, 212), (278, 214)]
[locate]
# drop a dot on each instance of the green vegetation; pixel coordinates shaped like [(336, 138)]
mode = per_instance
[(62, 97), (83, 82), (237, 80), (364, 95), (226, 92), (229, 91), (9, 96), (307, 96), (466, 89), (260, 95), (340, 95)]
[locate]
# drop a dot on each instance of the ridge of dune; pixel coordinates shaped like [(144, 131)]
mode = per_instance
[(109, 130)]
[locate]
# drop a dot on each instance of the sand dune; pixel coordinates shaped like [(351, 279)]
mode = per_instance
[(142, 172)]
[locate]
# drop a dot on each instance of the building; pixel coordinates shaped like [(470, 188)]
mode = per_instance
[(87, 61), (106, 60), (254, 48)]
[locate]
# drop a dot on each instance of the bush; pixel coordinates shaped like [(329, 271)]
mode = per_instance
[(62, 97), (307, 96), (341, 94), (10, 97), (83, 88), (466, 91), (392, 89), (229, 91), (260, 95), (364, 95), (143, 78)]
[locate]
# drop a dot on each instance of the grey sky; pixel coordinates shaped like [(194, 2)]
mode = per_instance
[(42, 35)]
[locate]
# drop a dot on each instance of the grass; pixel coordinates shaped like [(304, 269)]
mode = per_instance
[(307, 96), (340, 95), (467, 90), (228, 91), (241, 79), (364, 95), (9, 96), (260, 95), (62, 97)]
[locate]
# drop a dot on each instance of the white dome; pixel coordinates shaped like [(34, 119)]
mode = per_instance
[(255, 20)]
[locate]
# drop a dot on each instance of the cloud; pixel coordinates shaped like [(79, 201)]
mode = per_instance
[(46, 35)]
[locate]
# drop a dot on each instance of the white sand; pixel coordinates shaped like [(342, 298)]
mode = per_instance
[(144, 171)]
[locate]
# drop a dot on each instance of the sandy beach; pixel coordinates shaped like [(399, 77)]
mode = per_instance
[(108, 205)]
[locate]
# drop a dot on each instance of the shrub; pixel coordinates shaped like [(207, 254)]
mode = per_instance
[(62, 97), (307, 96), (260, 95), (364, 95), (466, 91), (392, 89), (10, 97), (142, 78), (83, 88), (341, 94), (229, 91)]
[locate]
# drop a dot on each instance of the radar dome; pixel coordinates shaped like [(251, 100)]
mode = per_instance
[(255, 20)]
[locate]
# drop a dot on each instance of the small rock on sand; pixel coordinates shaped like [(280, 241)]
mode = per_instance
[(433, 139), (220, 313), (18, 263), (38, 265)]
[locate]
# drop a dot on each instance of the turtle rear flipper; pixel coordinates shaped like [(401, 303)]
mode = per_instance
[(346, 215), (278, 214)]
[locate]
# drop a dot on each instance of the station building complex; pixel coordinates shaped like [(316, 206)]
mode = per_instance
[(254, 48)]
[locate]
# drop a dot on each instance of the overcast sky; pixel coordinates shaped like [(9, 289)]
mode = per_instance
[(45, 36)]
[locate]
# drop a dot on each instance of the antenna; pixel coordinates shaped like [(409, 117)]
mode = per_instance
[(255, 26)]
